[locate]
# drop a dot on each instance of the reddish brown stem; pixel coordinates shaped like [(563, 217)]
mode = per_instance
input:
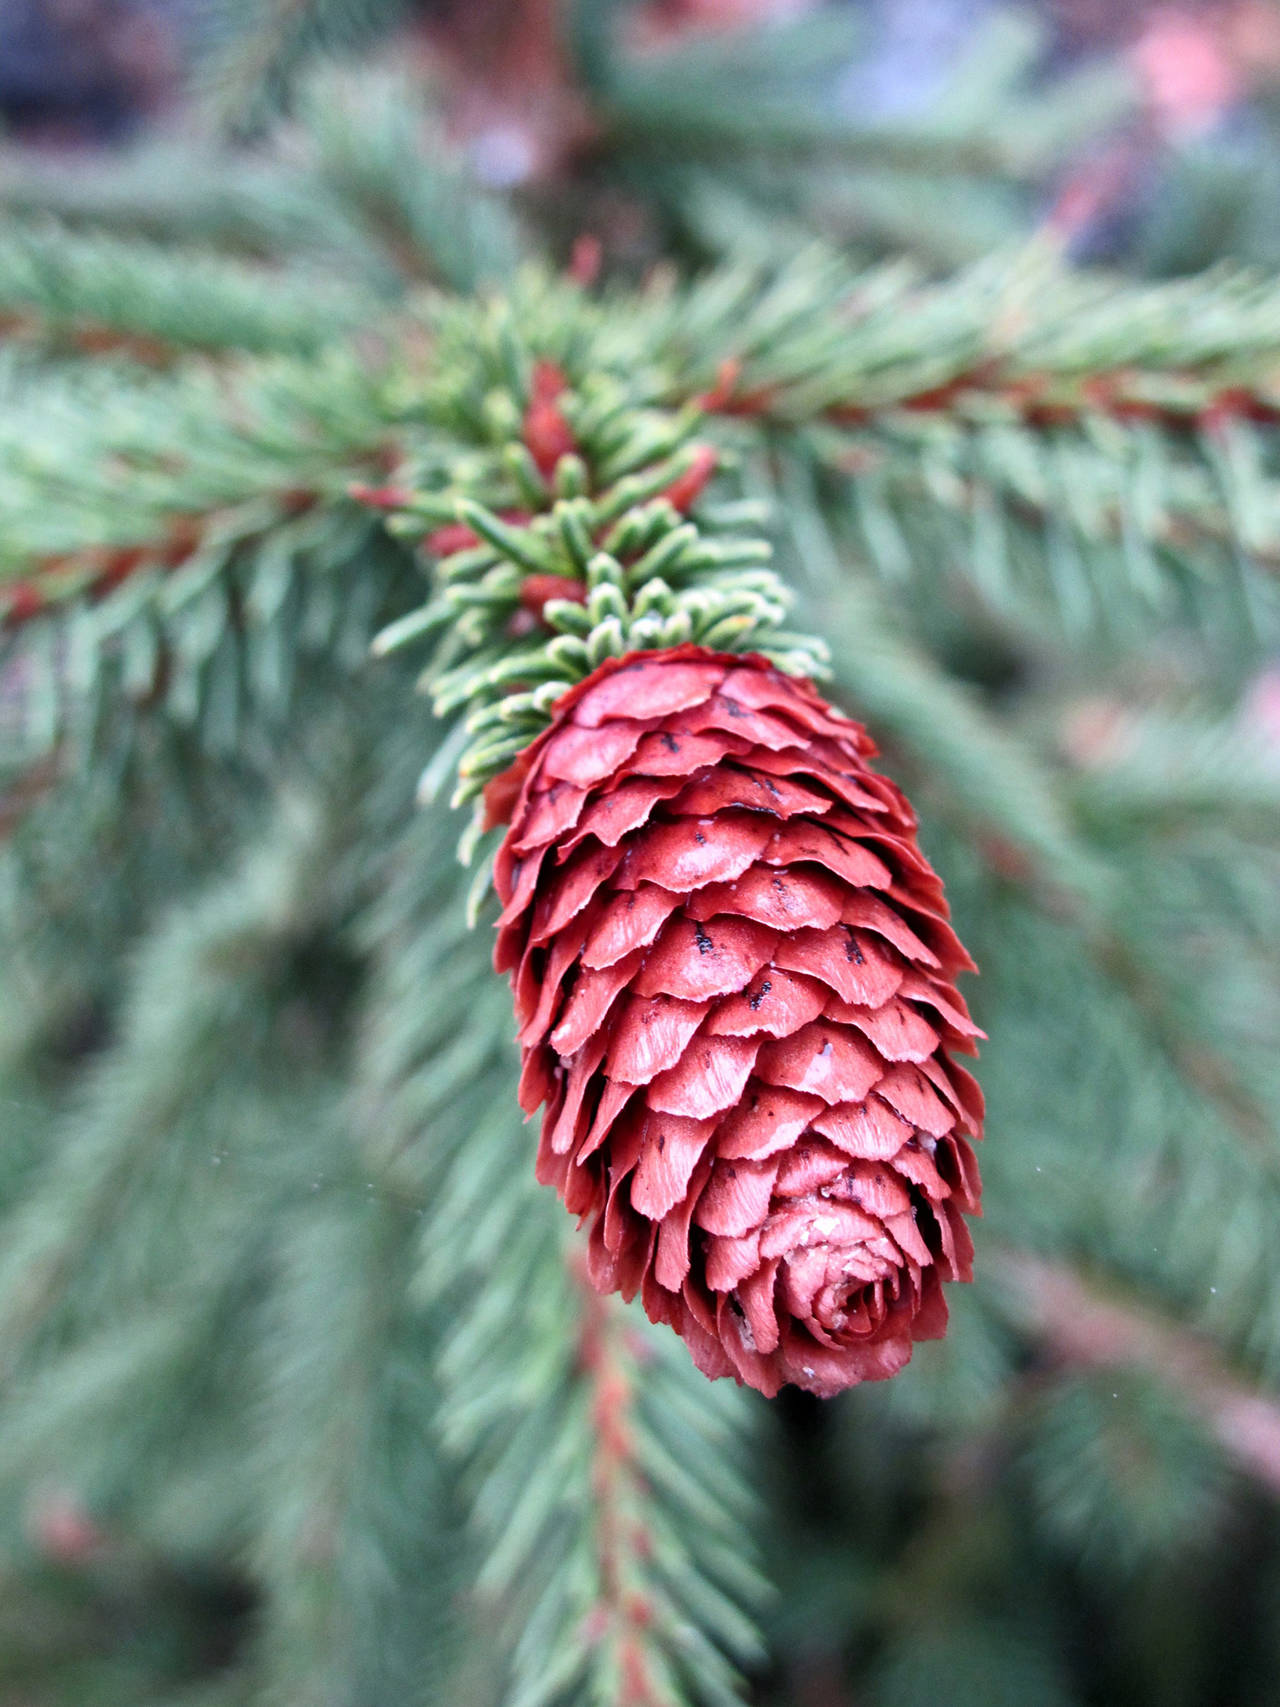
[(89, 338), (1039, 400), (22, 794), (623, 1611), (97, 570)]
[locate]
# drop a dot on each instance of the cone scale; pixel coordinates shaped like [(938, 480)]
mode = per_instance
[(734, 984)]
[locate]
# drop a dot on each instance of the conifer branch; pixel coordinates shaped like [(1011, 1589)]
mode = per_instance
[(1080, 1323), (359, 1545), (152, 302), (1015, 337), (618, 1622), (167, 1063), (1058, 441), (184, 586)]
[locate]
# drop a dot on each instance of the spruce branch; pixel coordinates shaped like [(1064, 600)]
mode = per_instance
[(271, 1330), (1056, 439), (108, 457), (168, 1061), (1114, 1149), (1015, 337), (556, 505), (152, 302), (188, 584), (1081, 1322), (619, 1619), (358, 1546)]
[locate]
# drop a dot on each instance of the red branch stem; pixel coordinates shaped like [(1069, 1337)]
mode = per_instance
[(622, 1612), (1039, 400)]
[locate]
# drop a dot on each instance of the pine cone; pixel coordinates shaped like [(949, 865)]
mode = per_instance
[(733, 978)]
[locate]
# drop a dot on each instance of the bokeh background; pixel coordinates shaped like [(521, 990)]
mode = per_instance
[(1148, 132)]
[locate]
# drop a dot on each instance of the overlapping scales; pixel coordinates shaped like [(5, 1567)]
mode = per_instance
[(734, 985)]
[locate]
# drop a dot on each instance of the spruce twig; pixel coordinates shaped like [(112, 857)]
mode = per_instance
[(1082, 1323)]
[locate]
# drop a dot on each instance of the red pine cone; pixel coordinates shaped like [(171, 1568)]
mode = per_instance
[(734, 982)]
